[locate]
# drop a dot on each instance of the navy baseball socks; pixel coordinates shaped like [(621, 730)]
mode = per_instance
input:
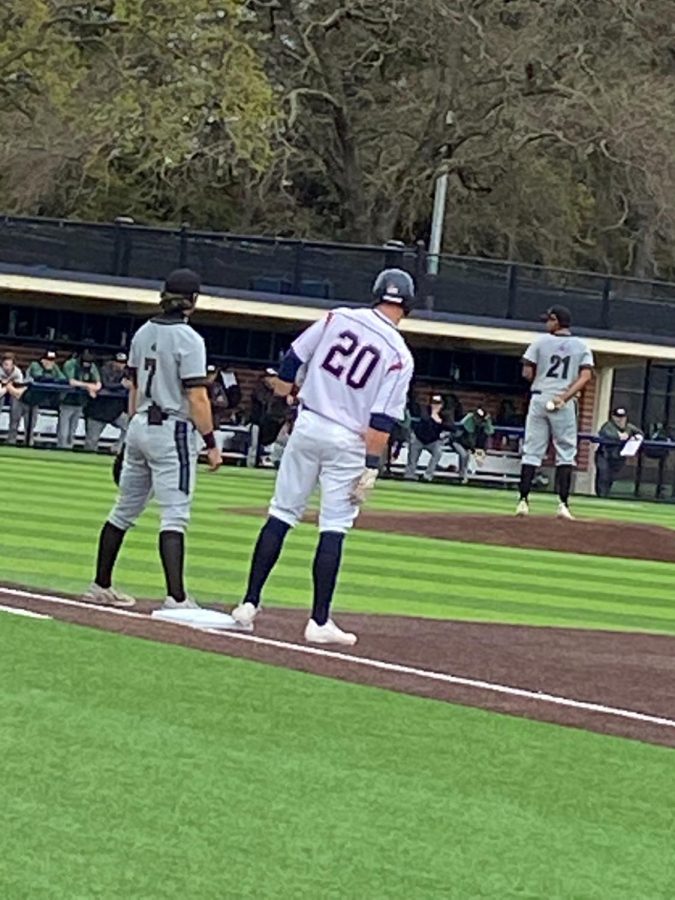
[(325, 572), (321, 629), (266, 553)]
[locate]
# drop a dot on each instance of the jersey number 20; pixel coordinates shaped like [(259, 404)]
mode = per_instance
[(360, 368)]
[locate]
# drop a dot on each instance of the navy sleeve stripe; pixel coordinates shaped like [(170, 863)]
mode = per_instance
[(289, 367), (382, 422)]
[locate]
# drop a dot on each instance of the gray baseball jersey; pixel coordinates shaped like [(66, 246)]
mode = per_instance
[(558, 359), (168, 356)]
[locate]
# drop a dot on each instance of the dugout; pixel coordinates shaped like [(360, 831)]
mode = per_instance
[(475, 358)]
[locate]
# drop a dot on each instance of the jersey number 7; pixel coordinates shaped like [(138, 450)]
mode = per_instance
[(150, 366), (361, 366)]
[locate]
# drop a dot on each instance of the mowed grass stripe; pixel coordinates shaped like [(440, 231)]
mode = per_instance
[(408, 577), (399, 592), (237, 531), (397, 494), (454, 579)]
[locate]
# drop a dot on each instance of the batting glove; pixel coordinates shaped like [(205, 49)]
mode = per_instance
[(364, 485)]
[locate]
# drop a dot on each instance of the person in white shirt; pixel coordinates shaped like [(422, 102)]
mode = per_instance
[(358, 369), (11, 374)]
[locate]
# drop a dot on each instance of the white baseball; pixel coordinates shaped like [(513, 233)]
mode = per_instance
[(550, 405)]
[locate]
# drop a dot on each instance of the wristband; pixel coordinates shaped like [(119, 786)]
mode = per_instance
[(372, 461), (209, 440)]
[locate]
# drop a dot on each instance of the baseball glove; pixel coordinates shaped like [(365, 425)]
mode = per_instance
[(117, 466)]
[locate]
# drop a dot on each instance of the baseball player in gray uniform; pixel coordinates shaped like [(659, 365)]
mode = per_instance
[(168, 400), (558, 365)]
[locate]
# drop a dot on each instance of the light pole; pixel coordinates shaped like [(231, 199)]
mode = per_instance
[(437, 220)]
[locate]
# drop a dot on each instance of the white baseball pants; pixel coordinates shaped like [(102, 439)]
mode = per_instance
[(324, 453)]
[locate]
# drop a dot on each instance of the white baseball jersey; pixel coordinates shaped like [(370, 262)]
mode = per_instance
[(357, 364)]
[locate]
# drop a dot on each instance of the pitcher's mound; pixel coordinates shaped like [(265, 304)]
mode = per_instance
[(597, 538)]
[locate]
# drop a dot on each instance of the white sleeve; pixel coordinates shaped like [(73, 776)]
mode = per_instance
[(393, 394), (305, 345)]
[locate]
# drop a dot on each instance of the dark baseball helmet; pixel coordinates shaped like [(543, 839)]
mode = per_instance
[(180, 290), (562, 314), (395, 286)]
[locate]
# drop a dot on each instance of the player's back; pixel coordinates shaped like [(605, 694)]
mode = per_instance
[(165, 352), (360, 365), (558, 359)]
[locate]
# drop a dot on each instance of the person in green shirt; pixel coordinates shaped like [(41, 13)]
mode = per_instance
[(608, 460), (84, 377), (470, 439), (37, 392)]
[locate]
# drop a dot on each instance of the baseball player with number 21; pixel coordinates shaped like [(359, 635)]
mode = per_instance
[(558, 365), (358, 369)]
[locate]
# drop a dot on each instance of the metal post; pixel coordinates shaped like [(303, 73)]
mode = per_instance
[(420, 270), (183, 246), (666, 422), (646, 384), (605, 308), (297, 269), (437, 221), (512, 291)]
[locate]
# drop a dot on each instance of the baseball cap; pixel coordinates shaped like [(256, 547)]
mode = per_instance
[(480, 412), (562, 314), (121, 357), (48, 354), (183, 282), (436, 398), (619, 411), (210, 368)]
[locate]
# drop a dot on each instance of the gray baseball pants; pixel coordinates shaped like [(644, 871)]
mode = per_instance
[(542, 426), (159, 461)]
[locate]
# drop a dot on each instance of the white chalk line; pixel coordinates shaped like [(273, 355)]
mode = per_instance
[(367, 662), (18, 611)]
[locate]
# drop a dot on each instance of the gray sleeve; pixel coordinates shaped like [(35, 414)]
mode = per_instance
[(586, 360), (135, 353), (192, 359), (531, 355)]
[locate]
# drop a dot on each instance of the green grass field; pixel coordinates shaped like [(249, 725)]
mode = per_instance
[(131, 769), (58, 502)]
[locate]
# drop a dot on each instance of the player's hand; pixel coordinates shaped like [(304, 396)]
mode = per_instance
[(363, 486), (559, 401), (479, 457), (214, 458)]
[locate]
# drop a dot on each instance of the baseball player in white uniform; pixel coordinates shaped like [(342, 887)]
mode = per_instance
[(358, 370), (168, 403), (558, 365)]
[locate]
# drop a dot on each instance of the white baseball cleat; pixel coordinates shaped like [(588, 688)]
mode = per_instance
[(564, 512), (523, 508), (245, 613), (328, 634), (188, 603), (107, 596)]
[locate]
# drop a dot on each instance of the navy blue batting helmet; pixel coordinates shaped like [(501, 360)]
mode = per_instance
[(395, 286)]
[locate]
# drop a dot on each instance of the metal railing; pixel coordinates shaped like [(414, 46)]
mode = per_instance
[(343, 272)]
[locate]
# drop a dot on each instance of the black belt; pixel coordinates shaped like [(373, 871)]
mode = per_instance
[(532, 393)]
